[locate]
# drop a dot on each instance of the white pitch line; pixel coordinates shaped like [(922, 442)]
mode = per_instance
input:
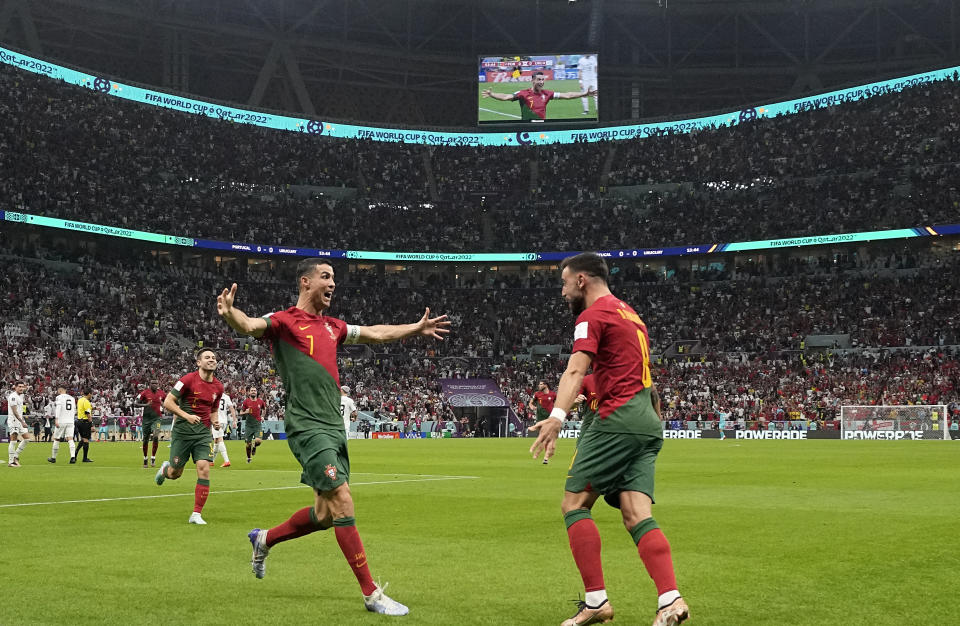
[(190, 493), (499, 113)]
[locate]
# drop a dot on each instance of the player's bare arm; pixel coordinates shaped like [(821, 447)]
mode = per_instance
[(170, 404), (435, 327), (505, 97), (567, 391), (237, 319), (573, 95)]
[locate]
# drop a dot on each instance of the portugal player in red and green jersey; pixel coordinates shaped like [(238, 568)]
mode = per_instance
[(193, 401), (304, 343), (615, 457)]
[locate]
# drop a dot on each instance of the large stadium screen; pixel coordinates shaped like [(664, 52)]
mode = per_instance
[(523, 89)]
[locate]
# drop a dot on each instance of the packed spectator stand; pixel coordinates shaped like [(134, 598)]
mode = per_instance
[(113, 318)]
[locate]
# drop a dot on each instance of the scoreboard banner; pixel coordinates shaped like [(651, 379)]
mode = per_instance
[(329, 128), (636, 254)]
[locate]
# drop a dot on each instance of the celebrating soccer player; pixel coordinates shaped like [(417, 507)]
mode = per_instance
[(193, 402), (533, 101), (253, 409), (616, 455), (151, 400), (304, 342)]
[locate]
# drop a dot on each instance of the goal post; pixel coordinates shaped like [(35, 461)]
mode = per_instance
[(890, 422)]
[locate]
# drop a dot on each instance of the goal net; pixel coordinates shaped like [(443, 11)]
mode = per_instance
[(921, 421)]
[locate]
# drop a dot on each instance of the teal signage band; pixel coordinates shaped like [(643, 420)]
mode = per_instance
[(532, 136)]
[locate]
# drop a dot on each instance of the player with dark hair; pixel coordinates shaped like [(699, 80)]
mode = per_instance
[(533, 101), (542, 402), (151, 399), (16, 424), (253, 410), (304, 343), (84, 425), (616, 456), (193, 401)]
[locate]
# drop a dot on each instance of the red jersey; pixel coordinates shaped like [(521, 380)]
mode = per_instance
[(534, 102), (256, 407), (305, 351), (617, 338), (154, 400), (196, 397), (545, 400)]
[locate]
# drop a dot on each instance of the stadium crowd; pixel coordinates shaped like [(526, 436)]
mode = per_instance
[(112, 319), (104, 321), (74, 153)]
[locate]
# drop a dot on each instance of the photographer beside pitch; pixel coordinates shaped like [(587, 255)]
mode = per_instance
[(304, 342), (616, 456)]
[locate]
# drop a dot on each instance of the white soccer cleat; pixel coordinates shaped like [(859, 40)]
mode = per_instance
[(196, 519), (258, 539), (674, 613), (161, 475), (379, 602)]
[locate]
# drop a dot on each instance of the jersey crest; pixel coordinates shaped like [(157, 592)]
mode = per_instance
[(330, 471)]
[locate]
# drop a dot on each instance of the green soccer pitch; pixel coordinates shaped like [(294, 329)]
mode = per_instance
[(491, 110), (470, 532)]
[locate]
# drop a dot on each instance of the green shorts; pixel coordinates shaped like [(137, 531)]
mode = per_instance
[(609, 463), (182, 448), (252, 429), (323, 456), (151, 427)]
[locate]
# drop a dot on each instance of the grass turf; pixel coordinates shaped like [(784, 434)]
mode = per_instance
[(491, 110), (763, 532)]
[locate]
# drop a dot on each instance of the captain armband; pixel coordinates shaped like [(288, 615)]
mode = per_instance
[(353, 334)]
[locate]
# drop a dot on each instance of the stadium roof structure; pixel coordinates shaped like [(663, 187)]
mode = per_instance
[(414, 62)]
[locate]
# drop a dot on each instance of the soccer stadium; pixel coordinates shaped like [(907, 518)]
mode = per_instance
[(456, 312)]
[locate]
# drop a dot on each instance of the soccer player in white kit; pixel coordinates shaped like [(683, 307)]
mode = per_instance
[(64, 416), (348, 408), (225, 411), (16, 425), (587, 65)]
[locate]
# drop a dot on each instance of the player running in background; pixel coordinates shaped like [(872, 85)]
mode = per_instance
[(16, 425), (348, 408), (253, 408), (542, 402), (226, 414), (193, 402), (304, 343), (151, 400), (616, 456), (85, 423), (587, 67), (64, 416), (533, 101)]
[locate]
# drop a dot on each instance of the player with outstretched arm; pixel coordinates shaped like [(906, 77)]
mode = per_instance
[(304, 342), (533, 101), (616, 456)]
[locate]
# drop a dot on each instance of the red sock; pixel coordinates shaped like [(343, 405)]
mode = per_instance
[(156, 444), (300, 523), (654, 549), (144, 448), (200, 493), (349, 540), (585, 545)]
